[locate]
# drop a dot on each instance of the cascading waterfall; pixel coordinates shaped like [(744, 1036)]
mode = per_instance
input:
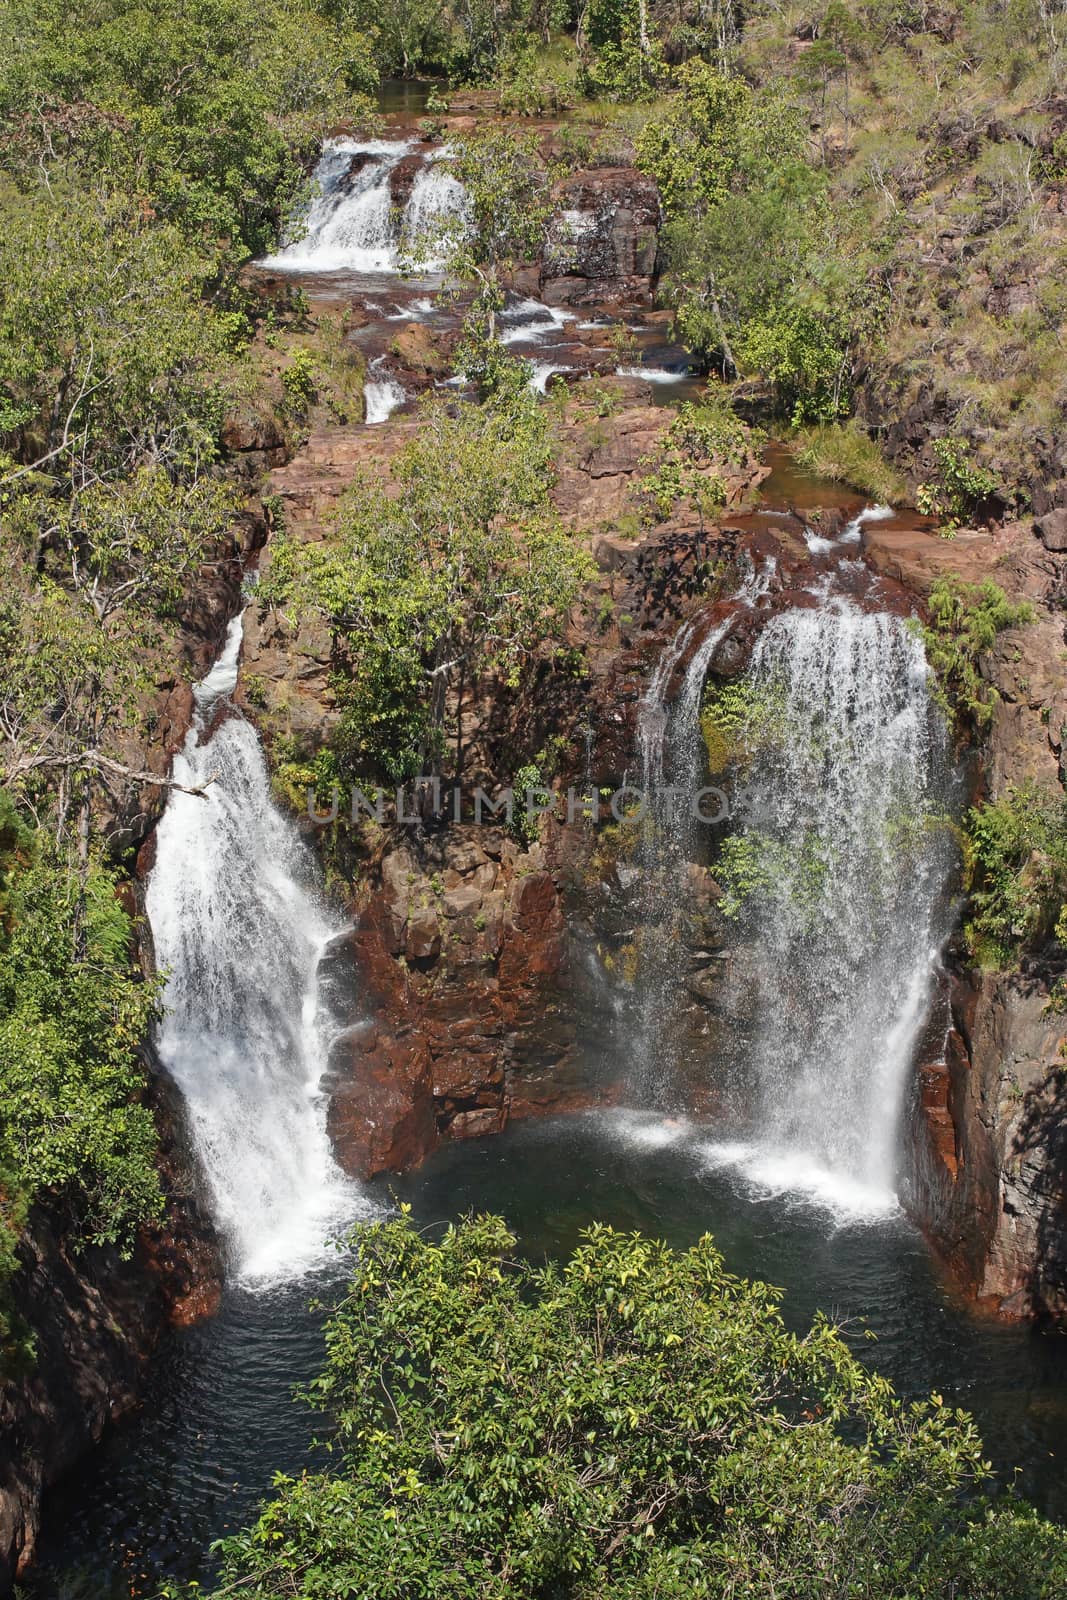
[(437, 201), (839, 827), (352, 224), (669, 744), (240, 934), (837, 859), (381, 394)]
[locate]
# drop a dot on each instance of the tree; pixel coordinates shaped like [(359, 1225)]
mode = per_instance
[(71, 1129), (453, 567), (507, 207), (634, 1422), (757, 275), (203, 109)]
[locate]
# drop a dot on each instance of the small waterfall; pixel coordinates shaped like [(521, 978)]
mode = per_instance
[(837, 859), (352, 224), (839, 829), (435, 206), (240, 934), (381, 395)]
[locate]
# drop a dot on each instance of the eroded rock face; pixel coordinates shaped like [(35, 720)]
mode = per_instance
[(988, 1152), (458, 957), (94, 1320), (603, 242), (987, 1156)]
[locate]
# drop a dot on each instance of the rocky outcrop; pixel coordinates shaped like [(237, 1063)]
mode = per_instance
[(988, 1154), (986, 1175), (459, 957), (88, 1323), (603, 241)]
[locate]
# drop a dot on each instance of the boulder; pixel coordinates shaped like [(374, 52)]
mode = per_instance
[(604, 239), (1051, 529)]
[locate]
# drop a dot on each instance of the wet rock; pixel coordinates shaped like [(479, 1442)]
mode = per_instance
[(381, 1115), (604, 239), (988, 1155), (417, 350)]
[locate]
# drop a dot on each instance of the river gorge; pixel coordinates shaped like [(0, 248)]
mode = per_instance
[(571, 1023)]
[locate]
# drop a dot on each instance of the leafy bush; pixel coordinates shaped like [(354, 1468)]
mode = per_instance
[(299, 380), (961, 489), (1016, 859), (73, 1012), (965, 619), (454, 567), (635, 1422), (702, 438)]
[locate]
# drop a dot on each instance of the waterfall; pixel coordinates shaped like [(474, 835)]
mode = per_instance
[(381, 394), (436, 206), (240, 934), (669, 744), (834, 869), (352, 224), (841, 847)]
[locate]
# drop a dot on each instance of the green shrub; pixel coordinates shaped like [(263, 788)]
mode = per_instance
[(299, 380), (703, 437), (961, 488), (1016, 860), (965, 619), (635, 1422), (73, 1014)]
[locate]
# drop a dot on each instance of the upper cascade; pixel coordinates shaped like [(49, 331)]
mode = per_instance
[(353, 223)]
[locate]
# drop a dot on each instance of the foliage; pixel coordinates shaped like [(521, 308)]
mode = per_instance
[(757, 273), (738, 720), (453, 568), (507, 208), (204, 108), (633, 1422), (69, 1030), (108, 357), (751, 867), (703, 437), (846, 452), (147, 151), (531, 83), (965, 619), (961, 489), (623, 59), (299, 382), (1016, 859)]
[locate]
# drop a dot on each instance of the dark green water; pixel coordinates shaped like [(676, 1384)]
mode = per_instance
[(218, 1419)]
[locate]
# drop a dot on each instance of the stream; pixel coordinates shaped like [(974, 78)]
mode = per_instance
[(239, 924)]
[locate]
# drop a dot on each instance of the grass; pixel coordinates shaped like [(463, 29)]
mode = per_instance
[(846, 452)]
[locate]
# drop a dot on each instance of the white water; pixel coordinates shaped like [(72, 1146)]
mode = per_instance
[(381, 396), (851, 534), (531, 322), (840, 811), (669, 744), (835, 952), (652, 374), (352, 225), (240, 933), (542, 373)]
